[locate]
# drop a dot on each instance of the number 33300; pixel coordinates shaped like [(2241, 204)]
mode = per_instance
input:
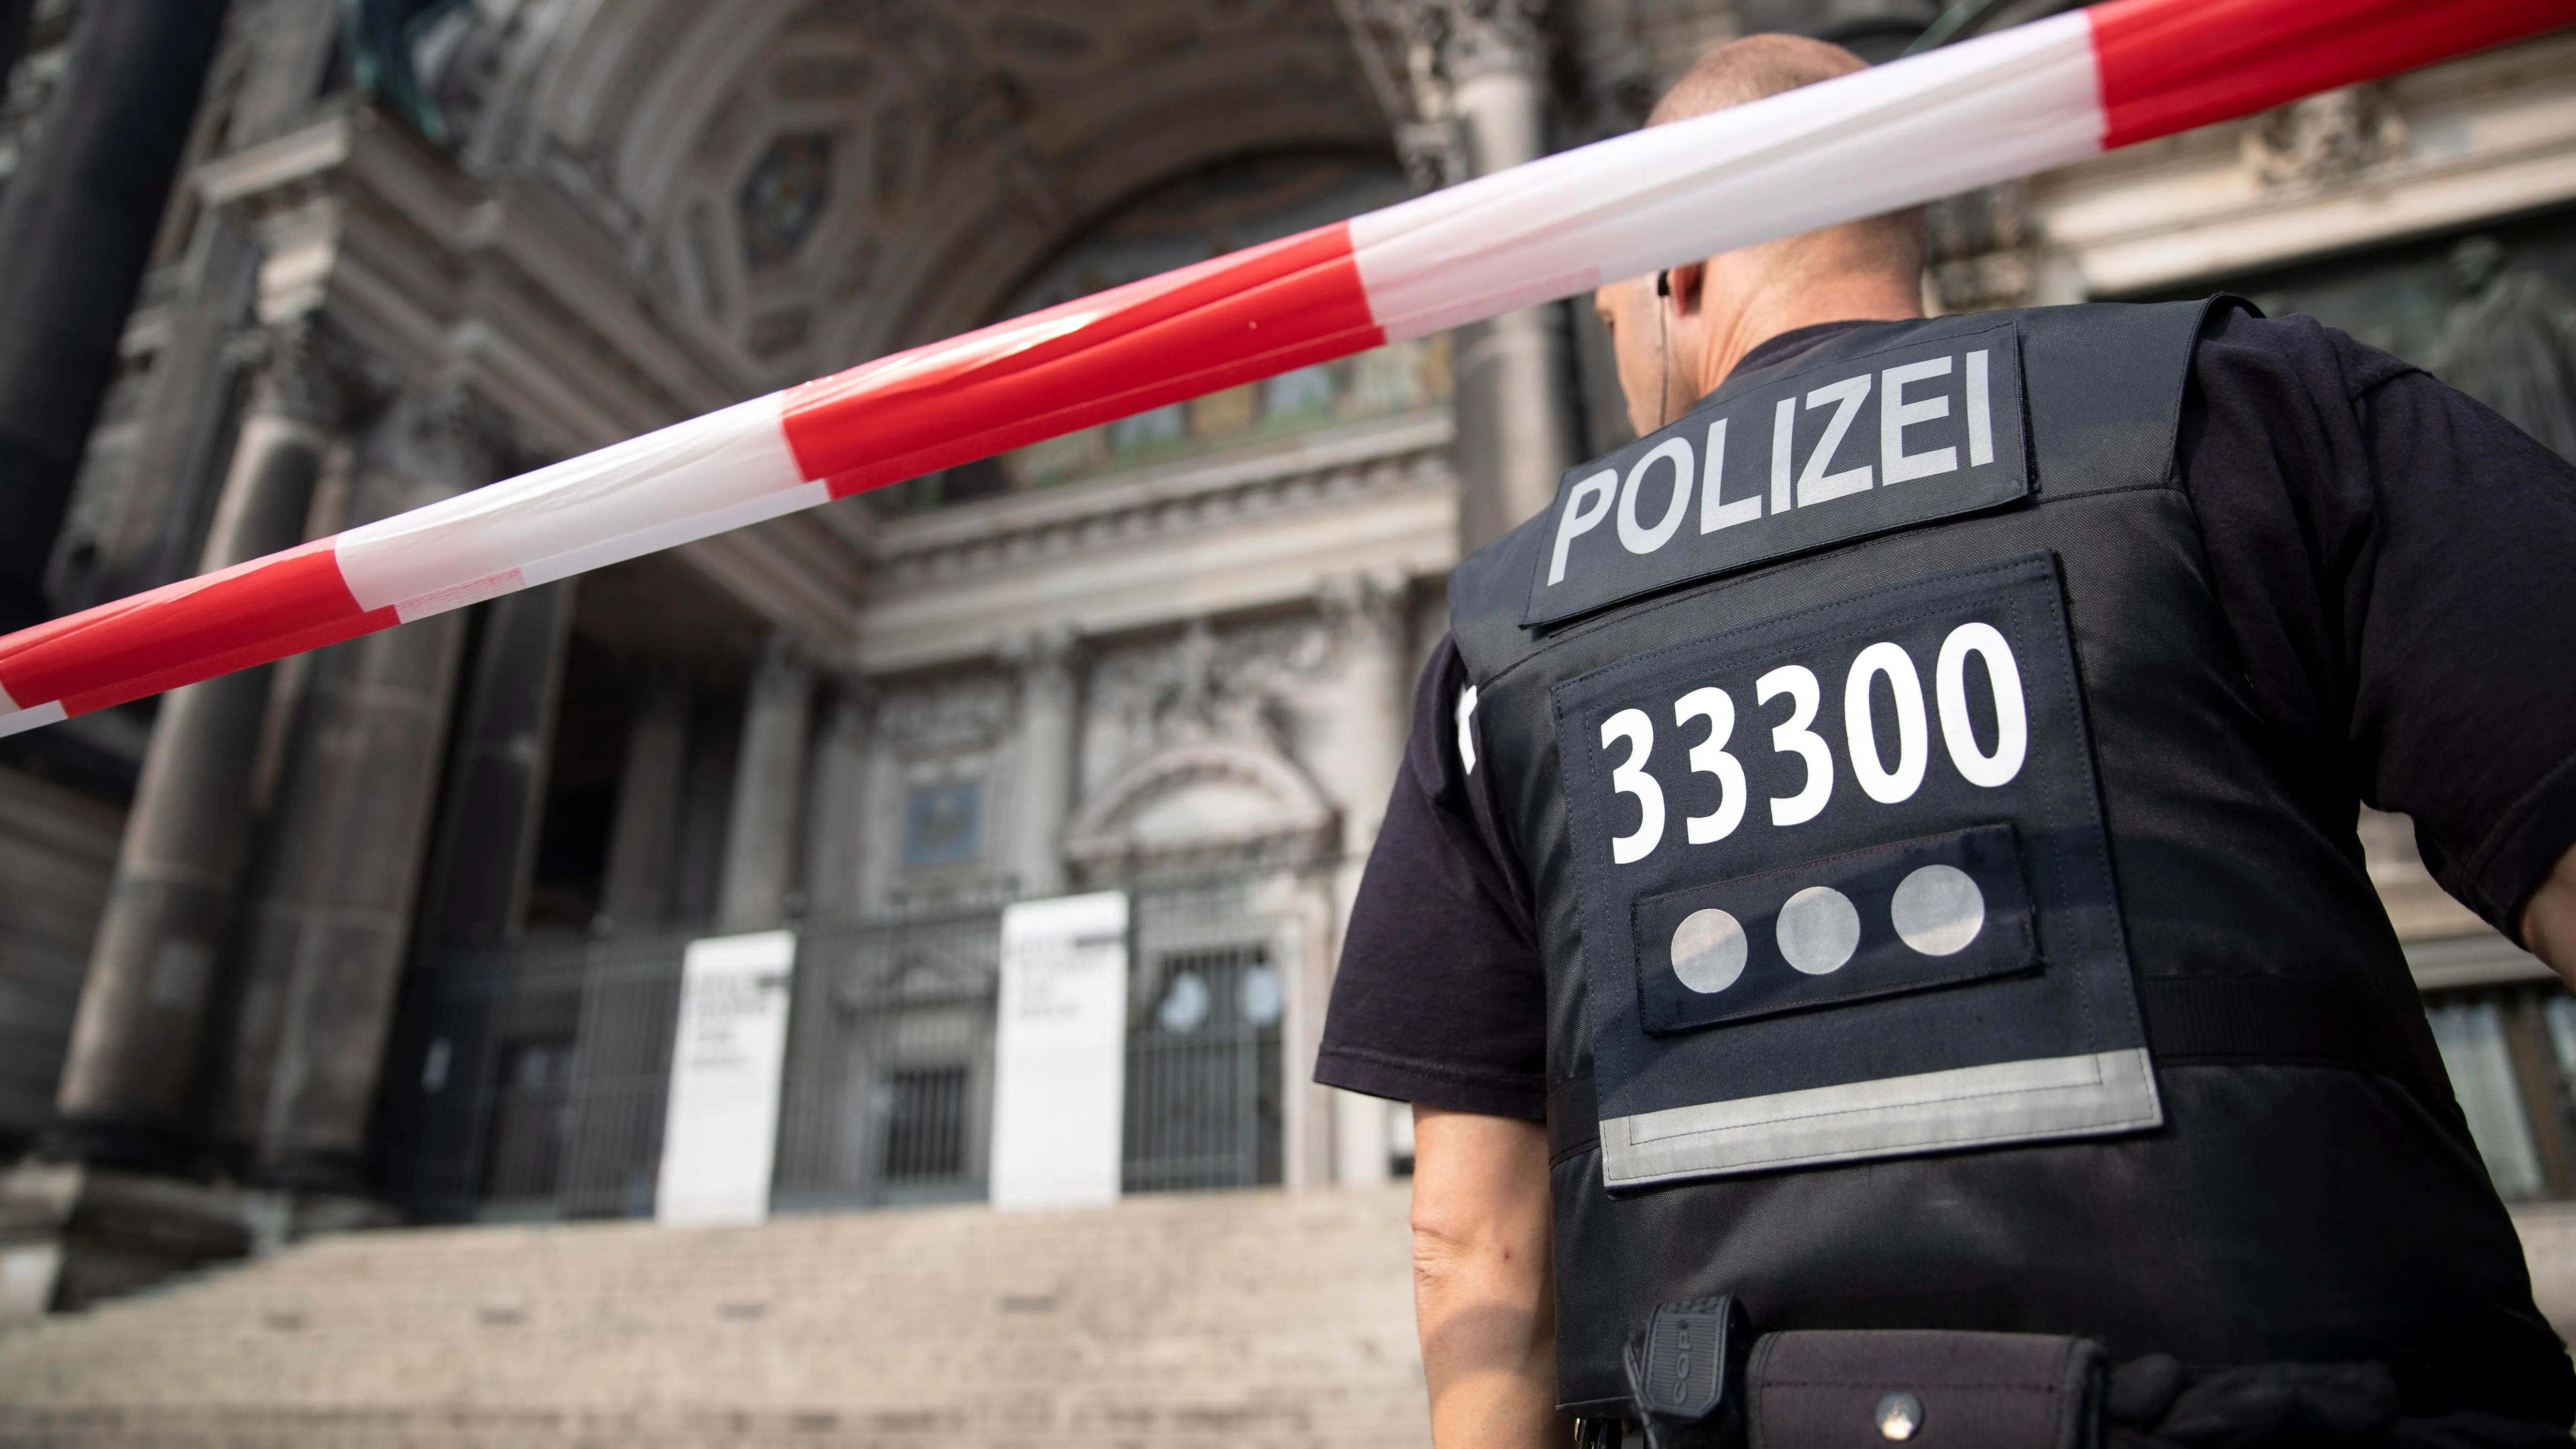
[(1796, 735)]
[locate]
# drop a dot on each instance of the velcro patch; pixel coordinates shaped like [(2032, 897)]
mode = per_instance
[(1924, 429)]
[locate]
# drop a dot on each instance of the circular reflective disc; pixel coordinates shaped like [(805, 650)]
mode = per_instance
[(1185, 1004), (1899, 1416), (1938, 910), (1259, 997), (1708, 950), (1819, 930)]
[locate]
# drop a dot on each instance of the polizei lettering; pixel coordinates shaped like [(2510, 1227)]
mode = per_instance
[(1926, 428)]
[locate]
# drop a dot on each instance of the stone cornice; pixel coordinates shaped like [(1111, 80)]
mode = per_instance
[(2487, 135), (1258, 527), (904, 545), (495, 288), (501, 292)]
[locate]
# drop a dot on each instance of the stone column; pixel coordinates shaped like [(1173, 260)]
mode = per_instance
[(1516, 429), (1050, 695), (76, 229), (1371, 616), (14, 18), (836, 833), (475, 892), (881, 814), (1364, 752), (324, 954), (130, 1084), (637, 881), (763, 824)]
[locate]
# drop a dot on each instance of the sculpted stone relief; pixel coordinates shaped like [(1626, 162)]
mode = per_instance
[(2324, 139), (1202, 686), (2510, 342), (1195, 745), (947, 716)]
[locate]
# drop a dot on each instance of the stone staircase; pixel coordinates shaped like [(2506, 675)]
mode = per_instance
[(1237, 1319)]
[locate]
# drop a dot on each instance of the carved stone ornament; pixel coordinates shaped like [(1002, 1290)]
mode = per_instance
[(1048, 661), (308, 370), (2324, 139), (951, 715), (1434, 152), (1206, 802), (1207, 686), (1469, 38), (1370, 609)]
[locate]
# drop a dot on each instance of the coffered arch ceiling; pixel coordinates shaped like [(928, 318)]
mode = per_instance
[(803, 184)]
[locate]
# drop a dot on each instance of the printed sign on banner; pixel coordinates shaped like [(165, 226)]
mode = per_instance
[(1060, 1052), (720, 1132)]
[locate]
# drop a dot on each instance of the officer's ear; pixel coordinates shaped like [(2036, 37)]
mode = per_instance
[(1682, 284)]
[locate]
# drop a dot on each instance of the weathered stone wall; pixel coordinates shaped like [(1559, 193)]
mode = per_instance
[(56, 851)]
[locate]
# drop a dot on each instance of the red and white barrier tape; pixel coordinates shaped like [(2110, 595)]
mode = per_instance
[(2022, 100)]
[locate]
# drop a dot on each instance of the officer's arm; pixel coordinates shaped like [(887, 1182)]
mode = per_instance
[(1481, 1292), (2549, 922)]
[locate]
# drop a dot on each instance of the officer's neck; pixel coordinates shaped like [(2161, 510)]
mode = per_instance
[(1776, 294)]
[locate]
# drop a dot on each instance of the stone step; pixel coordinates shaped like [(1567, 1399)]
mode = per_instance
[(1260, 1318)]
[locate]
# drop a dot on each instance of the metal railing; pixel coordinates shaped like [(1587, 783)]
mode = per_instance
[(889, 1079), (532, 1082)]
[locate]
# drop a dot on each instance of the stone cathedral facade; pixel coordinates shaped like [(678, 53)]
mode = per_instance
[(437, 883)]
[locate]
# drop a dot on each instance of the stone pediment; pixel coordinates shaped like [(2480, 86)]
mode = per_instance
[(1202, 801)]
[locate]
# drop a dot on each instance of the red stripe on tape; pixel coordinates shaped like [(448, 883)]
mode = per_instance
[(180, 633), (1263, 310), (2170, 65)]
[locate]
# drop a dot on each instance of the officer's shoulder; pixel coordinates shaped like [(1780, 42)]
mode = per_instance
[(2238, 343), (1485, 593)]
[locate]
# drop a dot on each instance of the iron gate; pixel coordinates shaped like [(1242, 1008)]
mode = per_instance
[(531, 1083), (1203, 1073), (889, 1085)]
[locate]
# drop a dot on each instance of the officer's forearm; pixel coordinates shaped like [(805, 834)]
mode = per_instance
[(2549, 921), (1481, 1292)]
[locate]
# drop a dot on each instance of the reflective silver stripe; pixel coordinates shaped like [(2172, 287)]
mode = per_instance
[(1984, 1106)]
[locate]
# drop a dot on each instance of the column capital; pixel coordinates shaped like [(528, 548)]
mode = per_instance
[(852, 692), (299, 373), (787, 662), (1371, 604), (1465, 39), (1044, 657)]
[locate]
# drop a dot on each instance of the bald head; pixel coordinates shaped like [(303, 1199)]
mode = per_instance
[(1676, 342), (1751, 69), (1757, 67)]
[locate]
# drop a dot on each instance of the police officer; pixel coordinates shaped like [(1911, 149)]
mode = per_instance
[(1879, 850)]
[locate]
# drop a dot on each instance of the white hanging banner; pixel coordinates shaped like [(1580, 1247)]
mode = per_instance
[(1060, 1052), (720, 1131)]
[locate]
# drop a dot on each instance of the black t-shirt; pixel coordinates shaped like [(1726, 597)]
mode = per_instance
[(2395, 564)]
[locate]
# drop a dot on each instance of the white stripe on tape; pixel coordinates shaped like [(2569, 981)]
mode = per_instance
[(678, 531), (1878, 140), (731, 467), (34, 717)]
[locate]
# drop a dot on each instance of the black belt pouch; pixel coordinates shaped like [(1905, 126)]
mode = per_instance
[(1927, 1390)]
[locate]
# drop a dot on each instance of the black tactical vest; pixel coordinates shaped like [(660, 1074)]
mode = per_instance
[(1935, 936)]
